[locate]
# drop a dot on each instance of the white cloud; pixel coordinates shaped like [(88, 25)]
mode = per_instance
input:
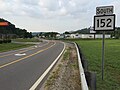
[(63, 11), (39, 7), (45, 8), (69, 11), (51, 5), (116, 5)]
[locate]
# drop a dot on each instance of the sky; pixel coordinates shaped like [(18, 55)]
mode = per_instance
[(54, 15)]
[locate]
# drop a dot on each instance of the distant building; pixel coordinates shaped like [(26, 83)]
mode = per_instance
[(96, 36), (60, 36), (75, 36)]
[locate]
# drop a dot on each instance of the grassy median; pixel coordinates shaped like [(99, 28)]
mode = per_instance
[(92, 51), (26, 40), (12, 46)]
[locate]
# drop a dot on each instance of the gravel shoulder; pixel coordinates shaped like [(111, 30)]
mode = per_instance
[(65, 75)]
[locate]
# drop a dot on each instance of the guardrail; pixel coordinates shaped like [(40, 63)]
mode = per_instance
[(81, 70)]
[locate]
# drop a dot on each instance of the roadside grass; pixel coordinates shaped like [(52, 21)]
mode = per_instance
[(53, 77), (92, 50), (55, 74), (12, 46), (26, 40), (66, 54), (65, 75)]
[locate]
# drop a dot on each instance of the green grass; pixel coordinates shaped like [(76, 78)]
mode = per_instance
[(66, 54), (26, 40), (92, 51), (12, 46)]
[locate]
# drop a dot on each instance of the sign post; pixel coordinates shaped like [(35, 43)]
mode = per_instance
[(103, 54), (104, 21)]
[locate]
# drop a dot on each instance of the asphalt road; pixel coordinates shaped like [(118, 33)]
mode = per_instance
[(20, 69)]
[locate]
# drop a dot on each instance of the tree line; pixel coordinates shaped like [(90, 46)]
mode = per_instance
[(11, 31)]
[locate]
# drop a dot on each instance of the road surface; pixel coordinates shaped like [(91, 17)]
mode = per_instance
[(20, 69)]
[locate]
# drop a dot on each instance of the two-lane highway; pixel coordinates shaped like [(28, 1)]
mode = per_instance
[(20, 72)]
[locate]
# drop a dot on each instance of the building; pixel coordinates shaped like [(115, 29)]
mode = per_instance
[(77, 36)]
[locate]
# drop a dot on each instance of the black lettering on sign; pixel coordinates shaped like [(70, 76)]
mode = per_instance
[(104, 23), (109, 22)]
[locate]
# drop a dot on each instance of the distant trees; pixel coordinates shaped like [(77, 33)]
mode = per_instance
[(66, 32), (116, 33), (50, 34), (11, 31)]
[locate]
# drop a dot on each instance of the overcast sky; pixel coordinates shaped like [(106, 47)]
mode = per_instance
[(54, 15)]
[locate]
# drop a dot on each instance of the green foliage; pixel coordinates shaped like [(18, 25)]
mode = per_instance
[(50, 34), (26, 40), (84, 31), (67, 32), (12, 46), (92, 51), (66, 54), (13, 31), (5, 41)]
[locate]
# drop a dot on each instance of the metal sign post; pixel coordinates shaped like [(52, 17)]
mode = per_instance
[(104, 21), (103, 53)]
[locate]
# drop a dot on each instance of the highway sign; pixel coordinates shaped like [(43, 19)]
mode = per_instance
[(104, 22), (104, 10), (3, 23)]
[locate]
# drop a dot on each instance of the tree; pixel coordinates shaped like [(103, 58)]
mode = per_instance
[(66, 32), (12, 30)]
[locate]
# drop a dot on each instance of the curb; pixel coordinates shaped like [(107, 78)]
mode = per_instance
[(81, 71)]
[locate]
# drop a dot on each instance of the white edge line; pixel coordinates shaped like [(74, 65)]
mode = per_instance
[(46, 72), (81, 71)]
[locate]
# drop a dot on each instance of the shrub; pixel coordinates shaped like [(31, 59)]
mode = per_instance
[(5, 41), (1, 41)]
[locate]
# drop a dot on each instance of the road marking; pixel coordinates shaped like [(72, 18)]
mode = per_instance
[(20, 54), (36, 46), (21, 51), (25, 57), (46, 72)]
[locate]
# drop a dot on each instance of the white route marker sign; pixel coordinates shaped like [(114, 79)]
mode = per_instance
[(104, 19), (103, 23)]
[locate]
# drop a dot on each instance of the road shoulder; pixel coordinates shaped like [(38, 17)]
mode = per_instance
[(65, 75)]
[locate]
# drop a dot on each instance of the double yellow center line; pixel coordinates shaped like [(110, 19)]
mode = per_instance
[(25, 57)]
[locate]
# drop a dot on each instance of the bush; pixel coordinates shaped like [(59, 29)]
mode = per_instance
[(5, 41), (9, 41), (1, 41)]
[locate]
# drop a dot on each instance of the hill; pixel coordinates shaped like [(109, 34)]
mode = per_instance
[(12, 31)]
